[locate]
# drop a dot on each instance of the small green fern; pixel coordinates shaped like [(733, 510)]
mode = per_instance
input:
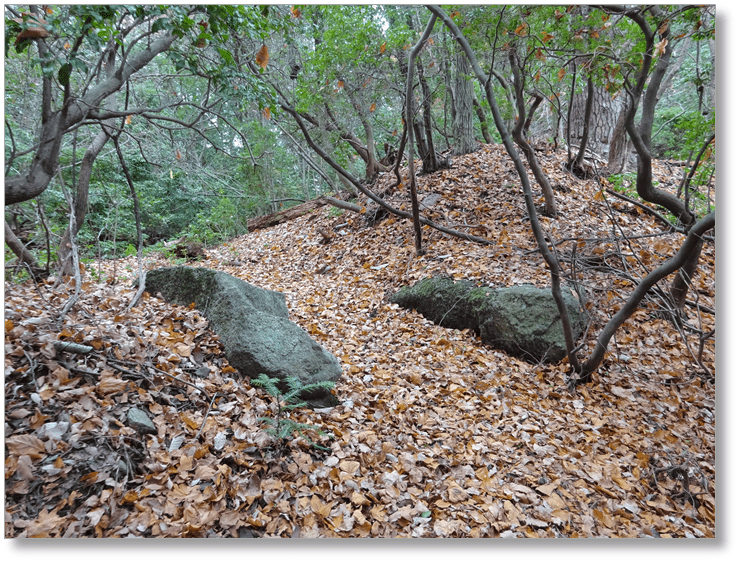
[(281, 427)]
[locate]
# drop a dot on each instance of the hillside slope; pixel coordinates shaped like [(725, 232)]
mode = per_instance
[(436, 435)]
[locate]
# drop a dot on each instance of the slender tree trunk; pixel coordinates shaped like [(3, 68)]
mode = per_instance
[(82, 193), (550, 204), (681, 284), (641, 135), (81, 198), (409, 118), (483, 122), (373, 166), (577, 164), (20, 250), (430, 161)]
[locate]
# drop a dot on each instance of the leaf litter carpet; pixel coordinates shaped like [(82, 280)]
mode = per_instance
[(436, 435)]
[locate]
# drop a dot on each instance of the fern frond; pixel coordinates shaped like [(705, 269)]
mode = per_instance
[(267, 383)]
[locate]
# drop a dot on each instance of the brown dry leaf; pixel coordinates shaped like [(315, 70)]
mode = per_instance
[(262, 59), (25, 445)]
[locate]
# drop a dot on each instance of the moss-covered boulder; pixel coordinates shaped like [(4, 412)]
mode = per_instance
[(253, 324), (522, 320)]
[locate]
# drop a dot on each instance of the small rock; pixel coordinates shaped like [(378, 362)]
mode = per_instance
[(138, 420)]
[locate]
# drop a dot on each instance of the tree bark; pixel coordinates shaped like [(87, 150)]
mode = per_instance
[(618, 148), (462, 126)]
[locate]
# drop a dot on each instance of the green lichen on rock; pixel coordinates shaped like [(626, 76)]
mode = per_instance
[(523, 320), (441, 299), (253, 325)]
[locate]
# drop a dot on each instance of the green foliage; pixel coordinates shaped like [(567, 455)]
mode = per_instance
[(335, 212), (282, 427), (681, 133), (624, 183), (218, 224)]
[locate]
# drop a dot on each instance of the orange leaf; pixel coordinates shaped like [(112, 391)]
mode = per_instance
[(110, 384), (661, 46), (8, 326), (295, 12), (128, 119), (373, 107), (340, 84), (266, 113), (263, 57), (383, 47), (90, 476)]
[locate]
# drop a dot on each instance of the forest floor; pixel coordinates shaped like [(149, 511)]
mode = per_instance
[(436, 435)]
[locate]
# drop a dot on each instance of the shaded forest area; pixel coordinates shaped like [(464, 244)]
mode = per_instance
[(571, 147)]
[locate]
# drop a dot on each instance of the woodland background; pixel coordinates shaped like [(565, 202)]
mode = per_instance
[(139, 136)]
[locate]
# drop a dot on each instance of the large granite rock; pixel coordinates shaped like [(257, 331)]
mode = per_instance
[(522, 320), (253, 324)]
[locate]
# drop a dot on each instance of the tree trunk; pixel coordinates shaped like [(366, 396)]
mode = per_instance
[(410, 117), (35, 180), (681, 284), (577, 164), (428, 156), (24, 256), (641, 135), (365, 152), (463, 126), (372, 165), (601, 124), (483, 122), (550, 204), (81, 199), (618, 150)]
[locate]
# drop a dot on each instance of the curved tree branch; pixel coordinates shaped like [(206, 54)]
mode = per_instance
[(55, 125), (693, 239)]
